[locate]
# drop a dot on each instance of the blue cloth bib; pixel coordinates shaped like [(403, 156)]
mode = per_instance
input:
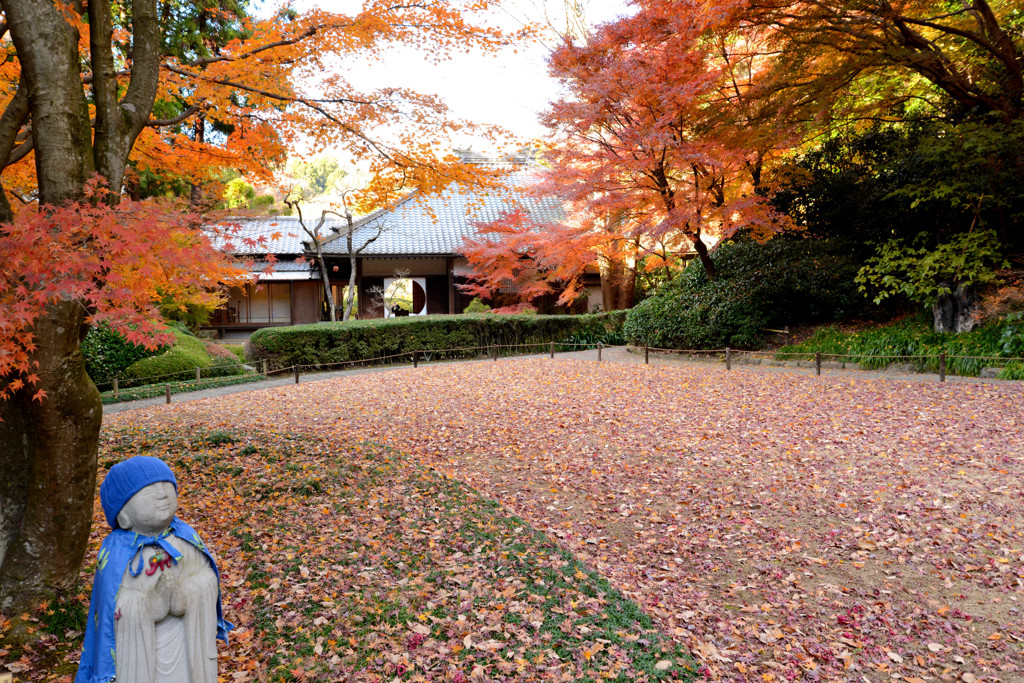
[(117, 551)]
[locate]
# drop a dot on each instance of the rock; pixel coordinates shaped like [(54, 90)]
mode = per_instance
[(904, 368)]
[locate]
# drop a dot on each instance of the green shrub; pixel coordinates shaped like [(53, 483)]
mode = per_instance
[(238, 350), (477, 306), (361, 340), (923, 271), (193, 314), (913, 341), (591, 337), (181, 361), (107, 353), (783, 282)]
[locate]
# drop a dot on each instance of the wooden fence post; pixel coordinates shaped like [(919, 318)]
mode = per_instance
[(115, 387), (599, 352), (817, 362), (264, 366), (415, 359), (198, 375), (942, 366), (167, 390), (495, 352), (728, 358), (647, 354), (552, 349), (296, 374)]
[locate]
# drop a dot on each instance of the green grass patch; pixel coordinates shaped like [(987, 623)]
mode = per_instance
[(155, 390), (237, 349)]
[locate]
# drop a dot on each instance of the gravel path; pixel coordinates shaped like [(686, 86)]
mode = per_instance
[(616, 354)]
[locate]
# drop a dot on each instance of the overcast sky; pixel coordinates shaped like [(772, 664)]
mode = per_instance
[(509, 88)]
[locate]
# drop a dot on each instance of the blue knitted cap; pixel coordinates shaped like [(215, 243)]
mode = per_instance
[(127, 478)]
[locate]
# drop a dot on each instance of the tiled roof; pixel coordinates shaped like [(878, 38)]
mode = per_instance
[(284, 266), (419, 226)]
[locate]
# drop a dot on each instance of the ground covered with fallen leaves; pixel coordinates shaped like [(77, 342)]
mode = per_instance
[(775, 526)]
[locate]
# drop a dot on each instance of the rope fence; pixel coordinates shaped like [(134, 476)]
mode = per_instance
[(220, 372), (936, 363), (496, 351)]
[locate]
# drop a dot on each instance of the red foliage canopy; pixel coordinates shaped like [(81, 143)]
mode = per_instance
[(91, 252), (660, 144)]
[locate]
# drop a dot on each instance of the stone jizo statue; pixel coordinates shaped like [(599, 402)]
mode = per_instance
[(155, 613)]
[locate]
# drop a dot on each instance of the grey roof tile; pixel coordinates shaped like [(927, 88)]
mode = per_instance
[(420, 225)]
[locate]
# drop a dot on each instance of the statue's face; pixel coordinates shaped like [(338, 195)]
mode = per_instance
[(150, 511)]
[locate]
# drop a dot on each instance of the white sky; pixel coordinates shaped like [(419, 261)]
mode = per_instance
[(508, 88)]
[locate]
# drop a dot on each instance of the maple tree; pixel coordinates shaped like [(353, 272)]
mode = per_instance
[(660, 143), (890, 53), (95, 97), (680, 116)]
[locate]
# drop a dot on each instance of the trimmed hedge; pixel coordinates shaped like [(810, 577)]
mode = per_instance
[(362, 340), (758, 286), (181, 361), (107, 353)]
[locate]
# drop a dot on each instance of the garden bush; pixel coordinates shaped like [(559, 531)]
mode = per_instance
[(107, 354), (914, 342), (477, 306), (786, 281), (361, 340), (181, 361)]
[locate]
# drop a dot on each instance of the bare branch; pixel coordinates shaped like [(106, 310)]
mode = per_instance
[(191, 111)]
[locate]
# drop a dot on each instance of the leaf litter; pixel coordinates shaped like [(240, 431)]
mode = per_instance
[(775, 526)]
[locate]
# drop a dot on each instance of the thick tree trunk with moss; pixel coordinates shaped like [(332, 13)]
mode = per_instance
[(48, 446), (954, 312), (48, 443), (48, 459)]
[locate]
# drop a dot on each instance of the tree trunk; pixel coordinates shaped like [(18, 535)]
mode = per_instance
[(61, 131), (326, 279), (953, 312), (704, 256), (48, 459), (618, 283), (350, 295), (195, 195), (627, 286), (609, 271), (48, 446)]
